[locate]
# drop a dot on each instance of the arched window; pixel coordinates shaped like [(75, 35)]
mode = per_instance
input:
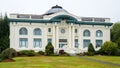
[(23, 31), (99, 33), (86, 33), (37, 31)]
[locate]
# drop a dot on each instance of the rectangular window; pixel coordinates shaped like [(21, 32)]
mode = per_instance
[(49, 40), (98, 43), (75, 30), (49, 29), (76, 43), (86, 43), (23, 42), (37, 43)]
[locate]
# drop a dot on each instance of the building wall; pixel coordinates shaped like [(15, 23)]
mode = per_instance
[(55, 34)]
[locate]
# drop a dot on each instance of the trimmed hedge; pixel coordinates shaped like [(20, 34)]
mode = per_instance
[(27, 52), (9, 53), (41, 52)]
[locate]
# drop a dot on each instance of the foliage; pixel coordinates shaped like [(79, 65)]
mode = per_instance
[(115, 33), (41, 53), (9, 53), (49, 49), (91, 48), (117, 53), (1, 57), (90, 53), (108, 48), (27, 52), (4, 33), (118, 42), (82, 54), (63, 53)]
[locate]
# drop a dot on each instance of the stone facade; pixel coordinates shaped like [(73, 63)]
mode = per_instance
[(64, 30)]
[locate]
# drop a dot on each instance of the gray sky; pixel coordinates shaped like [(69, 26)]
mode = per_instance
[(84, 8)]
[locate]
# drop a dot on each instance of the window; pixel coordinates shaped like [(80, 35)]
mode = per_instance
[(98, 43), (99, 33), (49, 40), (75, 30), (86, 43), (37, 43), (76, 43), (37, 31), (86, 33), (23, 31), (49, 29), (23, 42)]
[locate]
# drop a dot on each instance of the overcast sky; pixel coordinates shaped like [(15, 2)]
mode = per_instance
[(84, 8)]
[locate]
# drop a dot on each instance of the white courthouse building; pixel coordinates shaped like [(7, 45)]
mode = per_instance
[(63, 29)]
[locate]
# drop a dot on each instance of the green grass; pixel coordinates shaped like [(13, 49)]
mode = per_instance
[(112, 59), (53, 62)]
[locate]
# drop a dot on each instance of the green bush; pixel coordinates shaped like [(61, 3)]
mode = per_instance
[(117, 53), (9, 53), (108, 48), (91, 50), (90, 53), (41, 53), (1, 57), (27, 52), (49, 49)]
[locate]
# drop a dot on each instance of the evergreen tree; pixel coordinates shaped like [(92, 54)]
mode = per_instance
[(49, 49), (4, 33), (91, 48)]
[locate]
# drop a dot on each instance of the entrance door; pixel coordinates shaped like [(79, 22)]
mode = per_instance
[(62, 43)]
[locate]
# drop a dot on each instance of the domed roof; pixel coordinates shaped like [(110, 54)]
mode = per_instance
[(55, 9)]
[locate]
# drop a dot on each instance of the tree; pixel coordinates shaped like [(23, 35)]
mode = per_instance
[(4, 33), (115, 33), (108, 48), (49, 49), (91, 48)]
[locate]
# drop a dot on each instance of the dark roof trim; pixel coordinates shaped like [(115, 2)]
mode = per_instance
[(68, 21), (29, 20), (61, 17)]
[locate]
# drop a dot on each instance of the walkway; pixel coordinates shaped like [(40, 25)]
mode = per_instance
[(103, 62)]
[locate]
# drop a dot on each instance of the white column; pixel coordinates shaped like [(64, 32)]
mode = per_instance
[(54, 37), (57, 37), (70, 37), (30, 39)]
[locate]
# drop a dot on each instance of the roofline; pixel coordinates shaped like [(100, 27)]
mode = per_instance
[(49, 21)]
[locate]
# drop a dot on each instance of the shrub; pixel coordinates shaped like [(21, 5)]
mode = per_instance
[(1, 57), (82, 54), (91, 48), (63, 53), (117, 53), (27, 52), (108, 48), (49, 49), (9, 53), (41, 52), (90, 53)]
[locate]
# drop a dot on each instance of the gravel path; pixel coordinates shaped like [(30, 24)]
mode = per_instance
[(103, 62)]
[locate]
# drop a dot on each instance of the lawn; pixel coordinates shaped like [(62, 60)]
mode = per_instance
[(53, 62), (112, 59)]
